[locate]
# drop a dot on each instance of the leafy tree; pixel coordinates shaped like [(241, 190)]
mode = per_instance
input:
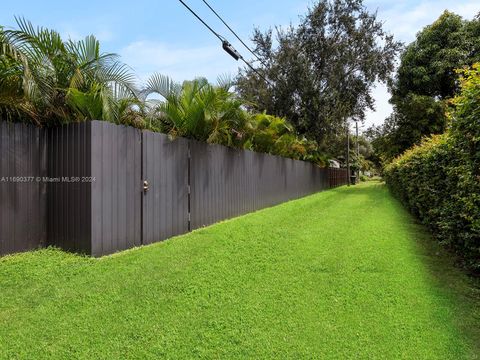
[(412, 118), (427, 66), (321, 71), (425, 80)]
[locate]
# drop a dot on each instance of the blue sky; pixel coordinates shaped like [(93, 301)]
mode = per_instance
[(162, 36)]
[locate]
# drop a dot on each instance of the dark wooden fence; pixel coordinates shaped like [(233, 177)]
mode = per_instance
[(23, 201), (94, 189), (165, 203), (229, 182), (101, 188), (337, 177)]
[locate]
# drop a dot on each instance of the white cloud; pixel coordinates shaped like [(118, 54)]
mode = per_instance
[(180, 63), (405, 20)]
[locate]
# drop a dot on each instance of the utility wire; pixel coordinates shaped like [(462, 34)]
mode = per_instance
[(233, 32), (223, 40), (203, 22), (255, 70), (239, 39)]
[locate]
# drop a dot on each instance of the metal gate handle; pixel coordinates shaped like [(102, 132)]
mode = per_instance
[(145, 186)]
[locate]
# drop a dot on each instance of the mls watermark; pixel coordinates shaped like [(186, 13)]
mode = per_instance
[(47, 179)]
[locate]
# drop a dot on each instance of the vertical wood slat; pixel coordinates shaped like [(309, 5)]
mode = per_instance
[(165, 204), (116, 192), (23, 210), (105, 216), (227, 182)]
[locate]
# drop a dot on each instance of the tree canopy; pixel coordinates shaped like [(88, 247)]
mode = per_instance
[(426, 79), (322, 71)]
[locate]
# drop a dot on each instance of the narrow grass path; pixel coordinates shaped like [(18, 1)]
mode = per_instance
[(343, 274)]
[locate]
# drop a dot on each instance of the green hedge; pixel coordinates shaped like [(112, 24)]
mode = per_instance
[(439, 180)]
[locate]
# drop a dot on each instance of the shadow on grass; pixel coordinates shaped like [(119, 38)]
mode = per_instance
[(461, 287)]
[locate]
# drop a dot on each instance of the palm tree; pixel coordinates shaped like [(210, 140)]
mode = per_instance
[(51, 81), (196, 109), (12, 104)]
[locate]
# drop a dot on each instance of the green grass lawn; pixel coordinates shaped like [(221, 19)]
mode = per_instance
[(346, 273)]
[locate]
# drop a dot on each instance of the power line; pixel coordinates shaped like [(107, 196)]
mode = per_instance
[(233, 32), (229, 48), (255, 70), (226, 45), (243, 43), (238, 37), (201, 20)]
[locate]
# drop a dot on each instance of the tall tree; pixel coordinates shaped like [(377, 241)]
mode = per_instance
[(322, 71), (425, 80), (427, 66)]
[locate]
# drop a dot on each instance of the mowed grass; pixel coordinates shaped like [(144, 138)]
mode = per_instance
[(343, 274)]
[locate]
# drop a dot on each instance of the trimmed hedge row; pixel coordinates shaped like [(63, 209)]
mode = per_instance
[(439, 180)]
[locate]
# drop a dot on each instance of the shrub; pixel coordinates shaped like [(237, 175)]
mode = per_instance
[(275, 135), (439, 180)]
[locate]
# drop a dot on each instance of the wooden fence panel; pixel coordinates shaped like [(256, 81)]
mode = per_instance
[(86, 195), (165, 203), (23, 198), (229, 182)]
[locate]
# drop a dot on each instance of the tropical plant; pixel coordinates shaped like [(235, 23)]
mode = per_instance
[(265, 132), (49, 81), (199, 110), (196, 109), (275, 135)]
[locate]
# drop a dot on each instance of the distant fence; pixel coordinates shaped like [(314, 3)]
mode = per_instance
[(97, 188), (337, 177)]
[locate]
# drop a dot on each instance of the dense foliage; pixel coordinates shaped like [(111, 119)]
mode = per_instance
[(49, 81), (322, 71), (212, 113), (272, 134), (439, 180), (196, 109), (425, 80)]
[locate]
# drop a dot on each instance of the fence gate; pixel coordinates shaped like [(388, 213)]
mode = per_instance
[(165, 187)]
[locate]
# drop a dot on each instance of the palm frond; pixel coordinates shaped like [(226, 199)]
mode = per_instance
[(161, 85), (225, 82)]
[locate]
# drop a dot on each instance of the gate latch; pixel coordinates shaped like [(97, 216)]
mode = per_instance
[(145, 186)]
